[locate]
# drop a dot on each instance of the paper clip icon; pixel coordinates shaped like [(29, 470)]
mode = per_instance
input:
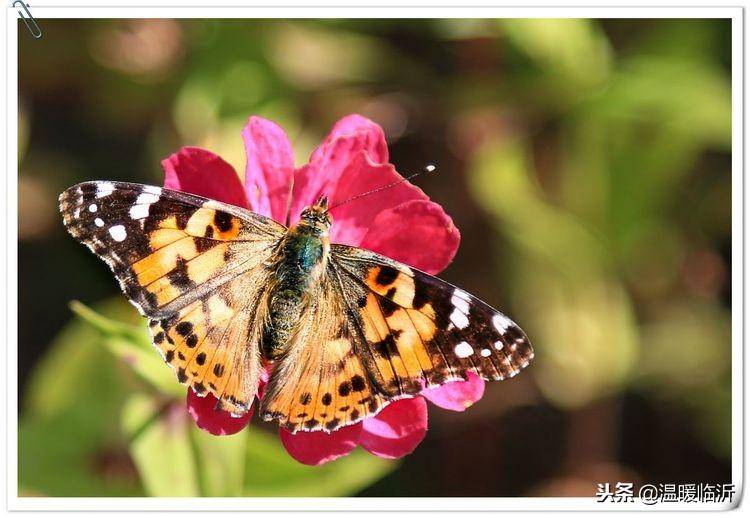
[(28, 19)]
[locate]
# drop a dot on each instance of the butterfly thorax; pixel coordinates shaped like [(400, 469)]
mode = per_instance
[(299, 265)]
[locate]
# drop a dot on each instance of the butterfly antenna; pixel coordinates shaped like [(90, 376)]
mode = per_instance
[(427, 169)]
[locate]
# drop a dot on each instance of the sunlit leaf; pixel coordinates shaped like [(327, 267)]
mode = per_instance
[(161, 447), (221, 462), (559, 45), (132, 345)]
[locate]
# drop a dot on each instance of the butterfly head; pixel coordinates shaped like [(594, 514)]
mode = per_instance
[(316, 216)]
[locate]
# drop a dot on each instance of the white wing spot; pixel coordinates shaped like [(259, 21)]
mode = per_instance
[(463, 350), (152, 189), (139, 211), (501, 322), (498, 345), (98, 222), (485, 352), (147, 198), (104, 189), (460, 301), (459, 319), (118, 233), (93, 207), (461, 294)]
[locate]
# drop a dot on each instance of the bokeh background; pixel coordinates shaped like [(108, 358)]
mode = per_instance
[(586, 163)]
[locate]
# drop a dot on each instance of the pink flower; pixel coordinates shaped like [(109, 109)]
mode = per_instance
[(400, 222)]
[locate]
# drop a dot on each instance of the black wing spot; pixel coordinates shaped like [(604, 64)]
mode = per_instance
[(388, 306), (386, 348), (345, 388), (201, 358), (305, 398), (421, 294), (223, 221), (218, 370), (358, 383), (184, 328), (179, 275), (386, 275)]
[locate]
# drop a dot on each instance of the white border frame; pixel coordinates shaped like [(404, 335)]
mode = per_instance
[(295, 10)]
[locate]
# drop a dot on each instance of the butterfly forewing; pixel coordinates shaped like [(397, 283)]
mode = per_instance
[(194, 267)]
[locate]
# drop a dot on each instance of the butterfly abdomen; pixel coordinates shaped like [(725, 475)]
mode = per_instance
[(300, 263)]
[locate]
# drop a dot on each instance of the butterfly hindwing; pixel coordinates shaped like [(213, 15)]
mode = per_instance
[(194, 267), (321, 383), (420, 331)]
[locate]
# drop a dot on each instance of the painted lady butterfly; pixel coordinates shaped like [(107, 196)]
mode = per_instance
[(227, 290)]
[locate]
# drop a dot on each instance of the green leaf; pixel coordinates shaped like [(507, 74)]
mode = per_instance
[(133, 346), (557, 45), (161, 447), (78, 371), (73, 454), (270, 471), (221, 462), (502, 181)]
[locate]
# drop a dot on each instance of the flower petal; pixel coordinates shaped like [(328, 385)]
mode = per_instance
[(201, 172), (418, 233), (397, 430), (270, 167), (353, 124), (457, 395), (349, 136), (316, 448), (352, 220), (216, 422)]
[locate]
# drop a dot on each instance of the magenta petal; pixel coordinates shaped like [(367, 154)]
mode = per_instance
[(352, 220), (201, 172), (270, 167), (216, 422), (352, 124), (348, 137), (397, 430), (316, 448), (457, 395), (418, 233)]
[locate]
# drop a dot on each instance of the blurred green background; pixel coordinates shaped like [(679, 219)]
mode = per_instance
[(586, 163)]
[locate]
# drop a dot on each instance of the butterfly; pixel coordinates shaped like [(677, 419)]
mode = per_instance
[(228, 292)]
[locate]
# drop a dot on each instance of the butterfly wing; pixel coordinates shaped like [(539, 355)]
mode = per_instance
[(320, 383), (420, 332), (194, 267), (382, 331)]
